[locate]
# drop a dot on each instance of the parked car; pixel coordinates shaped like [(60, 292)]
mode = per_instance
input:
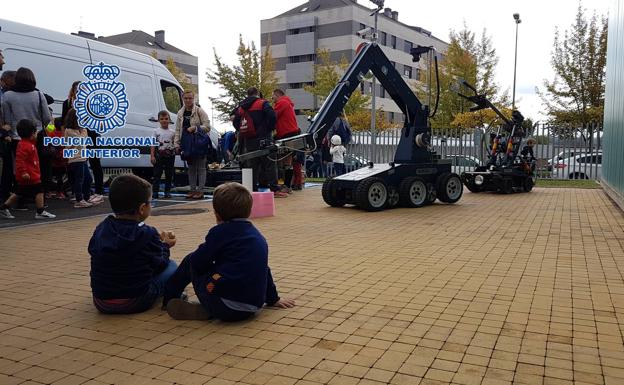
[(560, 157), (581, 166), (463, 163)]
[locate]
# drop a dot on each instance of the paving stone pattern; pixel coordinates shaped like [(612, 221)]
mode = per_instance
[(497, 289)]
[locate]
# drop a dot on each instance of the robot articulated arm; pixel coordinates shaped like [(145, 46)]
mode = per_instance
[(503, 152), (413, 146)]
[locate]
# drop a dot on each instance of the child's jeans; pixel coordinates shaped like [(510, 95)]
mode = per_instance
[(166, 164), (339, 168), (212, 303), (138, 304), (81, 186)]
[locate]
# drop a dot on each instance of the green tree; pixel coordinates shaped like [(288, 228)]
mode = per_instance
[(327, 74), (254, 69), (470, 60), (575, 96), (172, 99)]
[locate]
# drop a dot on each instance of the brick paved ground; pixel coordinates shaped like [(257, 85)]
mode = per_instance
[(497, 289)]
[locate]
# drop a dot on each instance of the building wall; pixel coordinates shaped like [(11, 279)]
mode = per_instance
[(186, 63), (613, 144), (335, 30)]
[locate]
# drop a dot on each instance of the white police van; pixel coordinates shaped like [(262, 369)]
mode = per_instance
[(58, 59)]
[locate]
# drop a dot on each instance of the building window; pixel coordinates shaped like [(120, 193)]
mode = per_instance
[(294, 86), (384, 38), (392, 117), (393, 41), (418, 74), (382, 92), (407, 71), (408, 46), (301, 58)]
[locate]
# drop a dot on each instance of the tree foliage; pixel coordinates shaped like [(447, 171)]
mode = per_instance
[(172, 100), (327, 74), (360, 120), (475, 62), (575, 96), (254, 69)]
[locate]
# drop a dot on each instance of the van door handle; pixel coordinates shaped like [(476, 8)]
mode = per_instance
[(152, 119)]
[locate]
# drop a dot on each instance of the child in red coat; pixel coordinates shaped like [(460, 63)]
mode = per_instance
[(27, 172)]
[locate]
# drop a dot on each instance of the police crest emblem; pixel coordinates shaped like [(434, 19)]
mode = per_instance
[(101, 103)]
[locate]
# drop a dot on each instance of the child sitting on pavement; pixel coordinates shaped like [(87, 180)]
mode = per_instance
[(27, 172), (129, 260), (229, 271)]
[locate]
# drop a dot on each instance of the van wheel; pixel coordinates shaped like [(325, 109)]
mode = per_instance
[(143, 172), (527, 186)]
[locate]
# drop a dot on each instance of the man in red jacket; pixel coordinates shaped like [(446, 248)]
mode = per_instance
[(286, 126), (27, 172)]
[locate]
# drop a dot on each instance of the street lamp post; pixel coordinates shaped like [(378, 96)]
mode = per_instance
[(516, 17), (380, 5)]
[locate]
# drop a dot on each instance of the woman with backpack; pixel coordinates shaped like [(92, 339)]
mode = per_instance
[(193, 143)]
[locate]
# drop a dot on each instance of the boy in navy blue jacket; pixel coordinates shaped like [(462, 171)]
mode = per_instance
[(229, 271), (129, 260)]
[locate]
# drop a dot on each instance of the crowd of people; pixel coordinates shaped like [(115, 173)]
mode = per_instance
[(31, 169), (34, 171)]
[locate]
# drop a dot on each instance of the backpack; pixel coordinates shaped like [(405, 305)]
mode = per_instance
[(247, 129)]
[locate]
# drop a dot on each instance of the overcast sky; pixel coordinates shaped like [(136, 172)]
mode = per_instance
[(199, 26)]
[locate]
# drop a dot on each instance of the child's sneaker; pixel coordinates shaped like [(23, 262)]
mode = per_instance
[(279, 194), (183, 310), (82, 204), (60, 195), (6, 214), (96, 199), (44, 215)]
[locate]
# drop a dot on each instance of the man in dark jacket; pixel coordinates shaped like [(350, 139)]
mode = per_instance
[(255, 121)]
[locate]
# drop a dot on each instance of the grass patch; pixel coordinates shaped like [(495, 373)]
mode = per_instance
[(568, 183), (315, 180)]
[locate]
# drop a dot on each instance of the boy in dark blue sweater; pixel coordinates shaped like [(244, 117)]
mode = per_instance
[(229, 271), (129, 260)]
